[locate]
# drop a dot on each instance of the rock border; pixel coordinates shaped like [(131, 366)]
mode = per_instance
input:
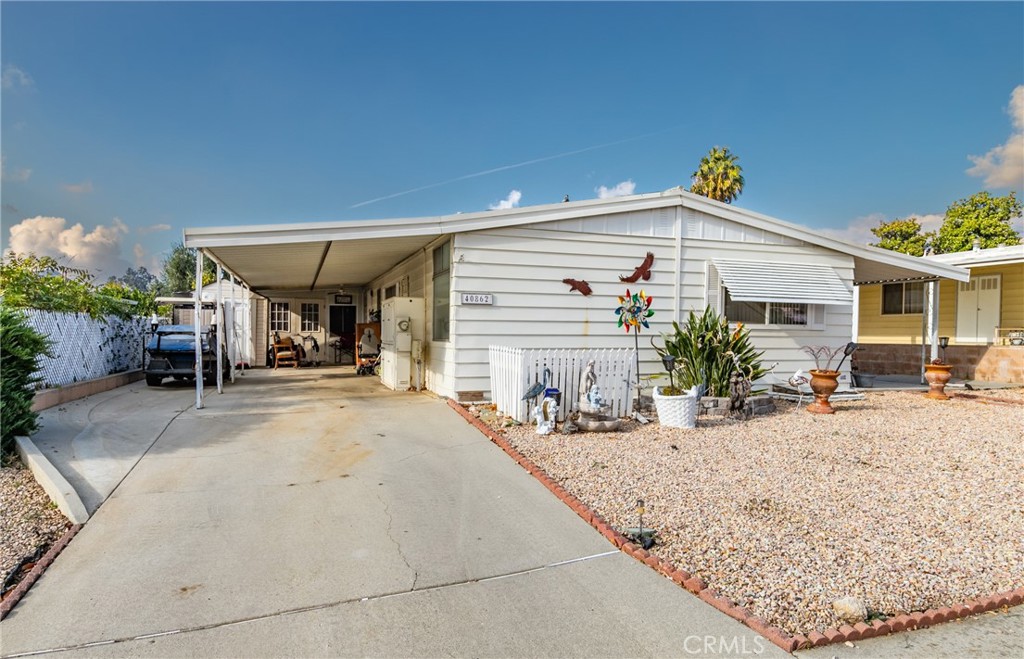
[(700, 588), (12, 598)]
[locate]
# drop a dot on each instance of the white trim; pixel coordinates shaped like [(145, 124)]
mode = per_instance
[(431, 227)]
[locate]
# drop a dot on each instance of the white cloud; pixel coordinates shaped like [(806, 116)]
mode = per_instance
[(1003, 166), (98, 250), (19, 175), (85, 187), (858, 231), (511, 201), (623, 189), (153, 228), (14, 77), (144, 260)]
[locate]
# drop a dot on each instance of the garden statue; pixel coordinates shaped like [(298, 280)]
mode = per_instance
[(594, 397), (545, 414), (588, 381)]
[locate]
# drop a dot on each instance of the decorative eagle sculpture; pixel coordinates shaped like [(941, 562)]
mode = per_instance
[(578, 285), (643, 271)]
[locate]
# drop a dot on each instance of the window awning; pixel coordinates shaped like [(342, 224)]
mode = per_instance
[(766, 281)]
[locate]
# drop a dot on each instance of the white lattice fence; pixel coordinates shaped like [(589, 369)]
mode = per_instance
[(515, 370), (86, 349)]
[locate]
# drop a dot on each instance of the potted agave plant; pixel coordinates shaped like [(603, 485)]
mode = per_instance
[(701, 356), (825, 379)]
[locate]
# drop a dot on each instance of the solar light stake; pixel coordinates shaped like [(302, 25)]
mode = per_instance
[(640, 512), (943, 343), (847, 351), (669, 362)]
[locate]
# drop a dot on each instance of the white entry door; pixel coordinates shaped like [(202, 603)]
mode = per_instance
[(977, 309)]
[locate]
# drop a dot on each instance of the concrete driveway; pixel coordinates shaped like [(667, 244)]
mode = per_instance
[(314, 513)]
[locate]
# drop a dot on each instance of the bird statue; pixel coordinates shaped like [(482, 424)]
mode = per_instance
[(578, 285), (739, 389), (538, 387), (642, 271), (798, 378)]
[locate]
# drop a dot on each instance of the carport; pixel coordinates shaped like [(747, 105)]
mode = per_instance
[(306, 256)]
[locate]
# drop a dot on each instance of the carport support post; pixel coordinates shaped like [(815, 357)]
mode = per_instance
[(197, 324), (933, 318), (219, 317), (232, 337)]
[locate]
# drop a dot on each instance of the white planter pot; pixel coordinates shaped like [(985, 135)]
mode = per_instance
[(676, 411)]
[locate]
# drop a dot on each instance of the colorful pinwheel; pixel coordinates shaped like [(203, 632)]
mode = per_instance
[(634, 310)]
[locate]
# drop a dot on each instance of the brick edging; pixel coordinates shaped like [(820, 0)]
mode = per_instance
[(699, 587), (11, 600)]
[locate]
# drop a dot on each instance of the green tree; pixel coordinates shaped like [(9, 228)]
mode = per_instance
[(179, 272), (718, 176), (140, 279), (901, 236), (980, 216)]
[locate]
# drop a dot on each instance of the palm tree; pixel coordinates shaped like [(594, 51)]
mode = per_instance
[(718, 176)]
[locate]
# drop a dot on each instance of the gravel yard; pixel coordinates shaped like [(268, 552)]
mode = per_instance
[(28, 519), (903, 502)]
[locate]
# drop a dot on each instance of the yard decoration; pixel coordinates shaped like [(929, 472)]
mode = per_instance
[(825, 380), (580, 285), (642, 271), (595, 413), (633, 311), (937, 374), (707, 352)]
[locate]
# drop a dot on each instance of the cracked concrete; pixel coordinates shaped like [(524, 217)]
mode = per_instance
[(200, 551)]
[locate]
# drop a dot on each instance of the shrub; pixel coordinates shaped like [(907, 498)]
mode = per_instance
[(708, 352), (21, 345)]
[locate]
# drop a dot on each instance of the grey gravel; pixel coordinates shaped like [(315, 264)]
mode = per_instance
[(28, 519), (902, 502)]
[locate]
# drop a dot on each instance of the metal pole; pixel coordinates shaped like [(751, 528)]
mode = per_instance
[(233, 337), (924, 331), (197, 324), (218, 318), (933, 318)]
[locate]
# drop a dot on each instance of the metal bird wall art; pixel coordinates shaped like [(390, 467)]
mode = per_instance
[(578, 285), (642, 271)]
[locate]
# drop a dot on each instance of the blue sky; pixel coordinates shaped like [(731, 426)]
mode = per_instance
[(123, 123)]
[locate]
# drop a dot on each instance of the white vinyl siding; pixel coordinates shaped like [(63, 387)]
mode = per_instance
[(523, 268)]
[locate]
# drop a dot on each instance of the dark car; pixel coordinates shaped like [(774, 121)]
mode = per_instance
[(172, 353)]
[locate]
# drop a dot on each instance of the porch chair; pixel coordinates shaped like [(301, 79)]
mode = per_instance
[(285, 353)]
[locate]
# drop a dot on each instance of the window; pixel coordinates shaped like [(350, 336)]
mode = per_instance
[(442, 291), (390, 291), (310, 316), (903, 298), (762, 313), (279, 317)]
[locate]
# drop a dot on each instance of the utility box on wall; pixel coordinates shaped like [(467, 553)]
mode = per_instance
[(402, 322)]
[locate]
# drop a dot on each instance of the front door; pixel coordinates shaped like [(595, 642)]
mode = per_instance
[(342, 341), (977, 309)]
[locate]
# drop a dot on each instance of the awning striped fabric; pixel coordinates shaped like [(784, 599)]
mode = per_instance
[(767, 281)]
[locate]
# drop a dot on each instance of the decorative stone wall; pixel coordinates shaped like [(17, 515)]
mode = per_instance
[(980, 362), (709, 406)]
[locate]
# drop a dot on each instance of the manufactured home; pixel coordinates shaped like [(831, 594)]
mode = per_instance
[(497, 277), (982, 319)]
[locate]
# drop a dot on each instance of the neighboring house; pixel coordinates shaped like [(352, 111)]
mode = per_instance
[(790, 285), (978, 316)]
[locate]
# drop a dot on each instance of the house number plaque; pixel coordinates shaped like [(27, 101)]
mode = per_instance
[(477, 298)]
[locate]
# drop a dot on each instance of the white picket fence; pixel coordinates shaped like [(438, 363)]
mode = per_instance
[(515, 370)]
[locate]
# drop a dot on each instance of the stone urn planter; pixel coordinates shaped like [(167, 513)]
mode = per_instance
[(937, 375), (823, 384)]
